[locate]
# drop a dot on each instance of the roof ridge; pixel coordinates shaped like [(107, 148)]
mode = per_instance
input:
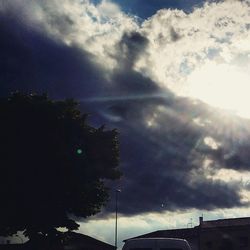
[(231, 218), (87, 236)]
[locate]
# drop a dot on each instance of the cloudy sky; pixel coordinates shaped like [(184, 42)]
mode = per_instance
[(171, 75)]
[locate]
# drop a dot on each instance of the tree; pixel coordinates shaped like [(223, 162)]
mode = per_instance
[(53, 165)]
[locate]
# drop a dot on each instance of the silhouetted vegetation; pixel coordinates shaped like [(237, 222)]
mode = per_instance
[(53, 165)]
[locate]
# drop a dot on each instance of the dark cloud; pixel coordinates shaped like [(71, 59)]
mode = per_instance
[(127, 80), (152, 195), (130, 47), (162, 147), (158, 167), (30, 61), (233, 135), (163, 165)]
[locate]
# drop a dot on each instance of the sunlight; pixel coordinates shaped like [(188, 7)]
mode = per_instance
[(222, 86), (230, 176), (209, 141), (245, 196)]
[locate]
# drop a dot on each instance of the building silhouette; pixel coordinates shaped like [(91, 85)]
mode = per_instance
[(71, 241), (222, 234)]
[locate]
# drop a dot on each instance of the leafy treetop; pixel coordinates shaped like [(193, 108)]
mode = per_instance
[(53, 165)]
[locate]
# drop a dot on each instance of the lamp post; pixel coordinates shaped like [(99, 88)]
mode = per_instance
[(116, 210)]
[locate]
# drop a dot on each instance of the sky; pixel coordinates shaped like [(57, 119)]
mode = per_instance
[(172, 77)]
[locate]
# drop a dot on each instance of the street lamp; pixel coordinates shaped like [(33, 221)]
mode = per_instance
[(116, 208)]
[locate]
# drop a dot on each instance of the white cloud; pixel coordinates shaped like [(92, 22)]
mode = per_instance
[(95, 28), (209, 141), (217, 33)]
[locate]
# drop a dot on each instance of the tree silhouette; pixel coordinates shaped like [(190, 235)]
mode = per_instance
[(53, 165)]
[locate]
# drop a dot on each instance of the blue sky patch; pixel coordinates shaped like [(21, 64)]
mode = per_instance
[(146, 8)]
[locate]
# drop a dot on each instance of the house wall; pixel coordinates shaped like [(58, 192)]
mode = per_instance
[(227, 238)]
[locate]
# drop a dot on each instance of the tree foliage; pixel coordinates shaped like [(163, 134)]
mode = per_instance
[(53, 165)]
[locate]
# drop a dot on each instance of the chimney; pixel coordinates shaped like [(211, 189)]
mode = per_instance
[(201, 220)]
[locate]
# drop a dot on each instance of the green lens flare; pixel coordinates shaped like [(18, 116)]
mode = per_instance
[(79, 151)]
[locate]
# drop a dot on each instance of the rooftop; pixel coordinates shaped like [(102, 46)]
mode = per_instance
[(189, 233), (226, 222)]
